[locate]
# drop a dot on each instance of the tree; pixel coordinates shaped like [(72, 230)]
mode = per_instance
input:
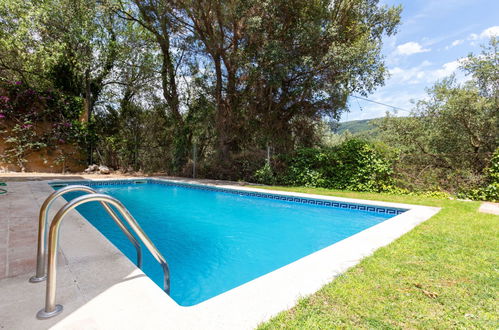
[(157, 17), (234, 75), (455, 130), (279, 66), (71, 46)]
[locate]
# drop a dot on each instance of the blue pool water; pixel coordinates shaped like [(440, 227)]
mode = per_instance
[(214, 241)]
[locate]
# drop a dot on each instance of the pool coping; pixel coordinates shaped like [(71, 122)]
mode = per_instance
[(258, 300)]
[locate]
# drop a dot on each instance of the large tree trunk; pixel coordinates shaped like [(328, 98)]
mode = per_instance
[(181, 139), (87, 100), (223, 116)]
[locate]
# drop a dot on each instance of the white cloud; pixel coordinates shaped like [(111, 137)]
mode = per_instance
[(490, 32), (446, 70), (410, 48), (454, 44), (424, 74), (413, 75)]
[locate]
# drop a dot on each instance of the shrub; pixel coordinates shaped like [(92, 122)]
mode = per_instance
[(353, 165), (493, 171), (265, 175), (242, 166), (490, 192)]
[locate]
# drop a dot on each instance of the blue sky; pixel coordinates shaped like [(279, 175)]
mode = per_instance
[(432, 37)]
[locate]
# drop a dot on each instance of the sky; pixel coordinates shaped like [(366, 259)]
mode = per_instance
[(432, 37)]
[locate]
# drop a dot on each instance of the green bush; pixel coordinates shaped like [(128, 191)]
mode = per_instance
[(490, 192), (493, 171), (265, 175), (353, 165), (359, 165)]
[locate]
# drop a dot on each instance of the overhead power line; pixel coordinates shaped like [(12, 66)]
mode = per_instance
[(380, 103)]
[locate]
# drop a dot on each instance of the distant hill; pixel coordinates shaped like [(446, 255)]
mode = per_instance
[(355, 126)]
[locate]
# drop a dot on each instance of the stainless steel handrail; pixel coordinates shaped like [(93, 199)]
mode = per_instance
[(51, 309), (42, 230)]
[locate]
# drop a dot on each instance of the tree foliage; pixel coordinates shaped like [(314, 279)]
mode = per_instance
[(279, 66), (67, 45), (450, 136), (231, 77)]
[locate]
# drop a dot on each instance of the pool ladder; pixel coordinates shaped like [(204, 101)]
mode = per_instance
[(51, 308)]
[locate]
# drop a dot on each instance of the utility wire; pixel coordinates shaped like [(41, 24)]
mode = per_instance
[(386, 105), (358, 103)]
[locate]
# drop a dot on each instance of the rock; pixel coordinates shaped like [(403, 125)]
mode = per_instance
[(92, 168), (104, 169)]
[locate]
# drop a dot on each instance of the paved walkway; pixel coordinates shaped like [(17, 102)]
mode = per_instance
[(18, 230), (98, 286), (488, 207)]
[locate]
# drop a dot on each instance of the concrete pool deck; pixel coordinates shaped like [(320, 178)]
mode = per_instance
[(101, 289)]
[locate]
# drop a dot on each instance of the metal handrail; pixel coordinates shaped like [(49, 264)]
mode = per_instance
[(42, 230), (51, 309)]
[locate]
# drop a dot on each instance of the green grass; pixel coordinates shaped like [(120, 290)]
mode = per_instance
[(443, 274)]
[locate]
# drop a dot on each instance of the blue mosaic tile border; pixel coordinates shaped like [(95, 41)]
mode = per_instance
[(295, 199)]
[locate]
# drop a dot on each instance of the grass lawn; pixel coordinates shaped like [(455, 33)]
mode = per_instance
[(442, 274)]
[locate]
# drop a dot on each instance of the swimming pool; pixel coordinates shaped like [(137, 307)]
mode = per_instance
[(217, 239)]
